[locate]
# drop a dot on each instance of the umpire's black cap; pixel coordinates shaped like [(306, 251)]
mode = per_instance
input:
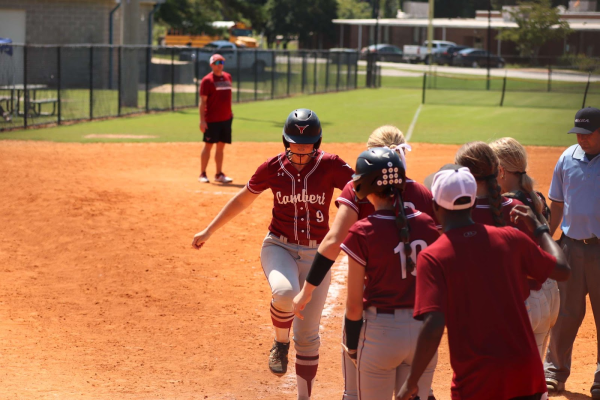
[(587, 120)]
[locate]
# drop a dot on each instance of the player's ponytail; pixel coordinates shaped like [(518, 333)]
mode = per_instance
[(483, 164), (403, 229), (513, 158)]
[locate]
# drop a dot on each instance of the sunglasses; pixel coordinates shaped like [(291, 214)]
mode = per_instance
[(219, 62)]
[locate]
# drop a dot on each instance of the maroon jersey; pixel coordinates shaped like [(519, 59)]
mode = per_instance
[(218, 90), (301, 198), (472, 275), (415, 196), (374, 243)]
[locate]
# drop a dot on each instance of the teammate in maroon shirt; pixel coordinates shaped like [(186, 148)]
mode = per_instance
[(215, 116), (350, 210), (302, 180), (382, 250), (468, 280)]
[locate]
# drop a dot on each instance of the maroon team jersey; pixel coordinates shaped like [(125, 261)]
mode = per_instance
[(415, 196), (301, 198), (482, 214), (374, 243), (472, 275), (218, 90)]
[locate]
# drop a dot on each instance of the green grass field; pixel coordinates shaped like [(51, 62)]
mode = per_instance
[(346, 117)]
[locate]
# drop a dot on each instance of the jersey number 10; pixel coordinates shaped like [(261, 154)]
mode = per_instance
[(417, 244)]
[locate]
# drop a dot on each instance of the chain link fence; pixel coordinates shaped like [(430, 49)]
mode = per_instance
[(42, 85)]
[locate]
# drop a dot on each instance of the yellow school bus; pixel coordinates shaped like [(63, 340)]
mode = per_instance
[(239, 33)]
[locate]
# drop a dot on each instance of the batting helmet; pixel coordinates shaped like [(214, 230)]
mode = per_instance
[(378, 170), (302, 127)]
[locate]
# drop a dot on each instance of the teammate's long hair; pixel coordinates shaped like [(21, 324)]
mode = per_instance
[(483, 164), (386, 136), (513, 158), (394, 193)]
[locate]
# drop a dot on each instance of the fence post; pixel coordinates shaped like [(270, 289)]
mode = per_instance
[(198, 78), (58, 84), (586, 90), (148, 62), (273, 71), (328, 58), (303, 72), (348, 69), (503, 91), (356, 71), (316, 73), (25, 96), (289, 72), (549, 77), (255, 74), (120, 79), (172, 78), (91, 82), (424, 87), (337, 79), (239, 75)]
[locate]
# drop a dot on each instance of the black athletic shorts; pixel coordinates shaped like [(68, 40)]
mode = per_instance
[(218, 132)]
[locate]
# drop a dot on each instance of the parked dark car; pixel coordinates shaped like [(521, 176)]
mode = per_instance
[(447, 55), (477, 58), (385, 52)]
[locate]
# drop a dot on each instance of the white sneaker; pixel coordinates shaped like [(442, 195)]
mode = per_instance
[(223, 178), (203, 178)]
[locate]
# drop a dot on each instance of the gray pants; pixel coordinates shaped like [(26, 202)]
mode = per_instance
[(585, 278), (286, 266)]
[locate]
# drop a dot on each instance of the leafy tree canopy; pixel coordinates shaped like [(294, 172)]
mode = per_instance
[(301, 18), (353, 9)]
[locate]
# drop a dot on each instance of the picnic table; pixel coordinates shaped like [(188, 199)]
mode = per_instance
[(28, 95)]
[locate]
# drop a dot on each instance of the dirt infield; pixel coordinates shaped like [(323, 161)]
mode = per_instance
[(102, 297)]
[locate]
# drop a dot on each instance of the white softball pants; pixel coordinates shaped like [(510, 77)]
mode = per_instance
[(385, 352), (542, 307), (286, 266)]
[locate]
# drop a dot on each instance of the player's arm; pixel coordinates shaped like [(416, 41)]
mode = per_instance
[(354, 306), (561, 271), (556, 215), (427, 344), (328, 251), (202, 110), (236, 205)]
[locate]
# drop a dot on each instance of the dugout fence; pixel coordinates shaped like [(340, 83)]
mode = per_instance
[(46, 84)]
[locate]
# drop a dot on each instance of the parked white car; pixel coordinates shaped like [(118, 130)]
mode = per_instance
[(414, 53)]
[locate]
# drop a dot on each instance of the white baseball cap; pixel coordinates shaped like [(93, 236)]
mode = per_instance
[(450, 185)]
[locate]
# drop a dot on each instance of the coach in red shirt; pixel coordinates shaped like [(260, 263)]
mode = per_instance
[(215, 116), (469, 280)]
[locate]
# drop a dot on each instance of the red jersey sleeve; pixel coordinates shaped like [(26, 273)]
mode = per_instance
[(537, 263), (431, 291), (355, 245), (342, 172), (207, 87), (260, 180), (347, 197)]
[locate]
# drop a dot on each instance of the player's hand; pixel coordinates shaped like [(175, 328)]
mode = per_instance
[(352, 355), (203, 126), (300, 302), (407, 392), (525, 214), (200, 238)]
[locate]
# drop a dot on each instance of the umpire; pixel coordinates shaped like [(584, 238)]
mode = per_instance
[(575, 195)]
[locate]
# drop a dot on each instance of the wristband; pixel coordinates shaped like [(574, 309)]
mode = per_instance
[(319, 268), (539, 231), (352, 329)]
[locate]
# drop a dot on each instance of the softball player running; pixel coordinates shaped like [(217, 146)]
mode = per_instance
[(382, 250), (302, 179), (544, 301), (415, 196)]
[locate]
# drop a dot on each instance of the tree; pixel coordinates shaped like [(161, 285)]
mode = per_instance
[(389, 8), (538, 22), (353, 9), (305, 19), (190, 16)]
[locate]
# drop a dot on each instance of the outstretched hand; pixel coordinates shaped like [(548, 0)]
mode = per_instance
[(407, 392), (526, 214), (200, 238), (300, 302)]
